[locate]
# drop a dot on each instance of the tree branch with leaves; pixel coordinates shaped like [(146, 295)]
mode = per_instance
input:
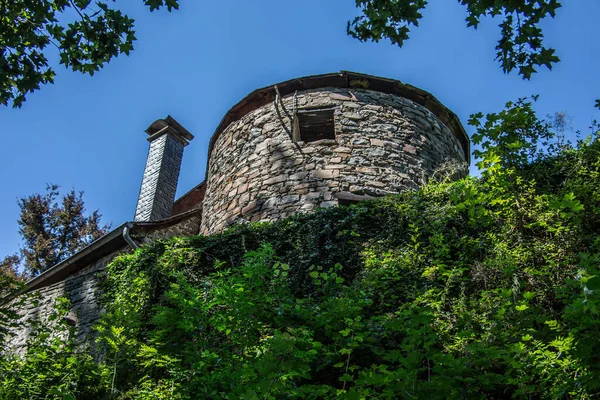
[(520, 45), (27, 27)]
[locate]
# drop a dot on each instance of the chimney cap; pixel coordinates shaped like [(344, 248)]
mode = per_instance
[(168, 123)]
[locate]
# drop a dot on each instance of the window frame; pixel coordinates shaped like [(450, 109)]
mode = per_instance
[(301, 113)]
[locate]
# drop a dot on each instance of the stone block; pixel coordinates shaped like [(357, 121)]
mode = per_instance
[(326, 204), (352, 116), (312, 196), (251, 207), (232, 205), (308, 207), (340, 97), (289, 199), (410, 149), (276, 179), (342, 149), (298, 176), (375, 184), (302, 186), (360, 142), (325, 174), (337, 166), (242, 188)]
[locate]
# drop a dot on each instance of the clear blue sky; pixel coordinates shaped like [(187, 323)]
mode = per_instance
[(194, 64)]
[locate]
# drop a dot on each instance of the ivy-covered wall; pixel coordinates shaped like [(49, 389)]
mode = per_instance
[(482, 287), (83, 288)]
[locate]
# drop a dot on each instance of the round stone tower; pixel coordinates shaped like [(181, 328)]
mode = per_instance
[(322, 141)]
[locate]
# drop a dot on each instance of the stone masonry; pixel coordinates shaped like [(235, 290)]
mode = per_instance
[(84, 288), (160, 179), (383, 144), (83, 291)]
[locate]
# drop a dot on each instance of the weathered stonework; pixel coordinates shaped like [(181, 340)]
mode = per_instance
[(384, 144), (84, 288), (384, 137), (83, 291)]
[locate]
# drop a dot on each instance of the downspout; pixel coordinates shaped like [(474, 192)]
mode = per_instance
[(277, 95), (128, 238), (290, 130)]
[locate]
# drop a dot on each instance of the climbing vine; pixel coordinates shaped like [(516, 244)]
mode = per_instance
[(482, 288)]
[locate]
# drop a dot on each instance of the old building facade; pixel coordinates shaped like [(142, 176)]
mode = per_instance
[(311, 142)]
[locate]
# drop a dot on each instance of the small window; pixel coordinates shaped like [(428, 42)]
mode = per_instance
[(347, 198), (315, 125), (347, 202)]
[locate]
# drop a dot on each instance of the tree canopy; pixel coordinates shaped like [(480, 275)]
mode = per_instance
[(88, 35), (52, 230)]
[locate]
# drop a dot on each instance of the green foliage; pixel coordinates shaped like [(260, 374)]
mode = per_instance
[(53, 366), (52, 230), (439, 293), (10, 285), (480, 288), (84, 43), (520, 46)]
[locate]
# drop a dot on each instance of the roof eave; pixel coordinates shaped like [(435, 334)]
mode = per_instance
[(108, 243), (101, 247)]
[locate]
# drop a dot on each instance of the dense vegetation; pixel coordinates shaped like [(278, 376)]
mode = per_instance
[(481, 288)]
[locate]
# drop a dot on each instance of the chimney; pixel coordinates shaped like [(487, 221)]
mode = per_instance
[(157, 194)]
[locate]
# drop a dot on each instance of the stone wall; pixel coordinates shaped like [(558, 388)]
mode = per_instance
[(83, 288), (384, 144), (83, 291)]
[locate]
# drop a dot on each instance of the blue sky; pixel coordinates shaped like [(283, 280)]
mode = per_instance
[(87, 132)]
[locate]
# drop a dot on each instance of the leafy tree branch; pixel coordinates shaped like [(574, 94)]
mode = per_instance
[(86, 44), (520, 46)]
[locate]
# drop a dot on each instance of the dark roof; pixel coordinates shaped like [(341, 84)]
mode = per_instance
[(103, 246), (192, 199), (169, 122), (343, 79)]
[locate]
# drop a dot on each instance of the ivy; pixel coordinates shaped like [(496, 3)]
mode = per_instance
[(484, 287)]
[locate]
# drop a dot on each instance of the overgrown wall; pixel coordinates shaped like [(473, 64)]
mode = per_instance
[(84, 288), (83, 291), (384, 144)]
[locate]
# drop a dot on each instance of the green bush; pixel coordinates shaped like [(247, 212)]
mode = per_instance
[(479, 288), (482, 288), (54, 365)]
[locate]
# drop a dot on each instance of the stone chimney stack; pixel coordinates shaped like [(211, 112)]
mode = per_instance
[(157, 194)]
